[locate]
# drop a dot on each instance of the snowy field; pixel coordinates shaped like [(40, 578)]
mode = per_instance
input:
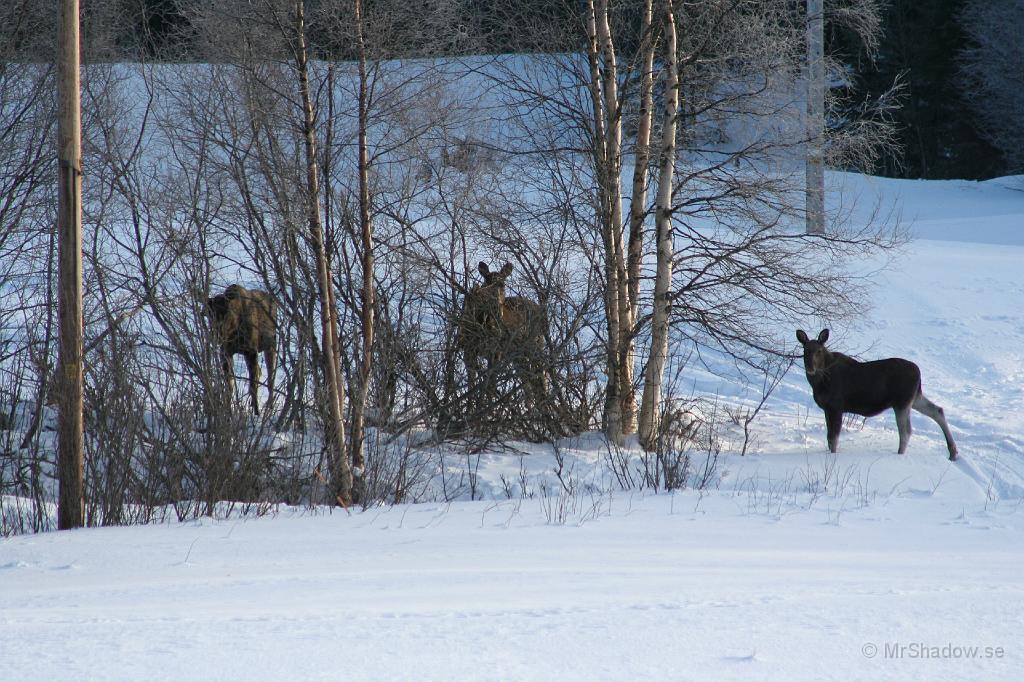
[(797, 565)]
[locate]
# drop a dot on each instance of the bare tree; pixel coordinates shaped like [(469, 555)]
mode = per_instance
[(620, 402), (273, 86), (368, 297), (379, 127), (741, 263), (27, 238), (363, 193), (341, 470)]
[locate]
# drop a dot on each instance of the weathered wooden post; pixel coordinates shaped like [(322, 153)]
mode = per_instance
[(70, 462)]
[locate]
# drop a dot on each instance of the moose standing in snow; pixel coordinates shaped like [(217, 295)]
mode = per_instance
[(245, 321), (495, 329), (842, 384)]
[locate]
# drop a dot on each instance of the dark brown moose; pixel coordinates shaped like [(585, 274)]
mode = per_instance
[(494, 329), (842, 384), (245, 321)]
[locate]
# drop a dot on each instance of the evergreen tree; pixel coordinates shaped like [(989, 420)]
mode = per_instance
[(939, 136)]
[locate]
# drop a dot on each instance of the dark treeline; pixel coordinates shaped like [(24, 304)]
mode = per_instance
[(939, 136)]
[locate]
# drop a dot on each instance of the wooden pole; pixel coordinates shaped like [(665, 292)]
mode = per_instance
[(815, 118), (70, 462)]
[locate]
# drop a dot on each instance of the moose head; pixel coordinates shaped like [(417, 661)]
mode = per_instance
[(486, 301), (816, 356)]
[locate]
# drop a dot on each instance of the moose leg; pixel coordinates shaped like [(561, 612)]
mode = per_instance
[(927, 407), (903, 426), (271, 359), (252, 361), (228, 363), (833, 425)]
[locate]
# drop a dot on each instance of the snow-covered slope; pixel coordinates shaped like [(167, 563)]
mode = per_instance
[(796, 565)]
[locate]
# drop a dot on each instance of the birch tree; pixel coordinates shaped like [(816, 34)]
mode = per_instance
[(607, 138), (737, 272), (622, 256), (641, 159), (651, 406), (341, 470), (815, 80)]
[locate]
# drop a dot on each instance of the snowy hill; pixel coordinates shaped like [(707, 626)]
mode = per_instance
[(794, 564)]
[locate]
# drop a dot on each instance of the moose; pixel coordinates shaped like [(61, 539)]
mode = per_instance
[(495, 329), (841, 384), (245, 322)]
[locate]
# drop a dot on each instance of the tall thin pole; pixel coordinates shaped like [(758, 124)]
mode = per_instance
[(815, 118), (70, 462)]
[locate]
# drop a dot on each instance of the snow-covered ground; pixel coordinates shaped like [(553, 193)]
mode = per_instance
[(795, 565), (649, 588)]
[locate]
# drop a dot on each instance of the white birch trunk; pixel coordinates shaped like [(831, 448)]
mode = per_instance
[(612, 416), (815, 208), (615, 255), (650, 406), (613, 150), (641, 155), (638, 201)]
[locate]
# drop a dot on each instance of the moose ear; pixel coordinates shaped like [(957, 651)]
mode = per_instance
[(823, 336), (801, 336), (484, 270), (507, 270)]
